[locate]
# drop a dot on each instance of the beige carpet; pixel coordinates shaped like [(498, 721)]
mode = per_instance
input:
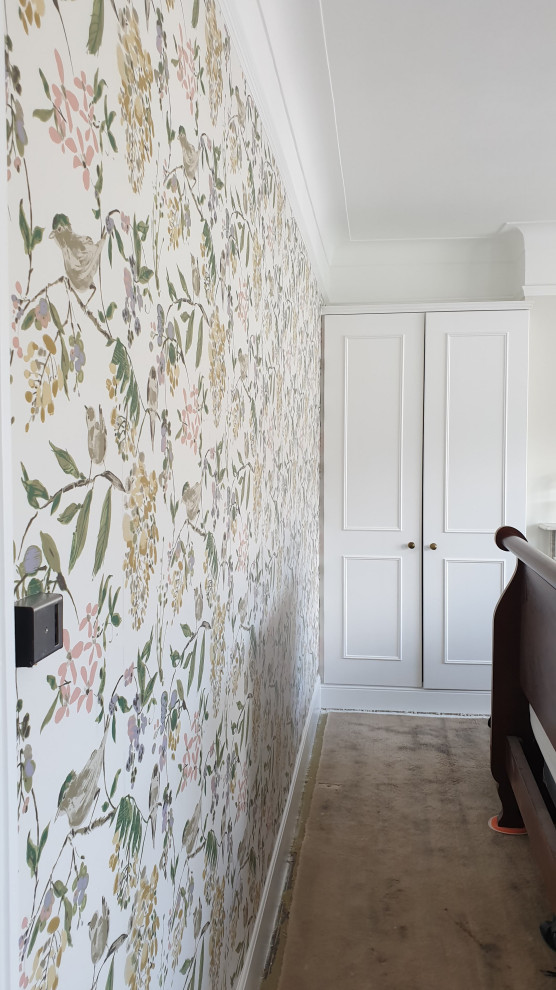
[(400, 884)]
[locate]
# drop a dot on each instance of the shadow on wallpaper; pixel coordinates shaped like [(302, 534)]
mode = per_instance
[(165, 391)]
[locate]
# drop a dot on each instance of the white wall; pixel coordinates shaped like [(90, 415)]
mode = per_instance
[(541, 459)]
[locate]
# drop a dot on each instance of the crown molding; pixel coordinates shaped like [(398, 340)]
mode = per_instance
[(538, 249)]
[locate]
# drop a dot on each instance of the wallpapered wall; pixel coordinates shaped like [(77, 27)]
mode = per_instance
[(165, 361)]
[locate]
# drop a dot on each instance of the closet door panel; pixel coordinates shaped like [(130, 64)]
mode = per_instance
[(373, 420), (474, 477)]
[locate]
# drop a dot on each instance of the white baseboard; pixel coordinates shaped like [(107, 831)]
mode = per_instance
[(335, 697), (252, 972)]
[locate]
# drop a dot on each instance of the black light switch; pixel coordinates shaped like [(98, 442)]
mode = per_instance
[(39, 625)]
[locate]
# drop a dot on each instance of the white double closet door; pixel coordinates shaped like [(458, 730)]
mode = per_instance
[(424, 458)]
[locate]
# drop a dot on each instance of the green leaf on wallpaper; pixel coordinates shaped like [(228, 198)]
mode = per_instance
[(128, 824), (36, 236), (43, 839), (43, 115), (145, 697), (115, 783), (191, 658), (123, 705), (34, 587), (119, 242), (183, 282), (186, 966), (69, 512), (28, 320), (31, 855), (44, 83), (34, 936), (24, 228), (201, 664), (96, 27), (59, 888), (189, 334), (34, 489), (195, 14), (171, 289), (211, 850), (104, 531), (128, 382), (68, 915), (66, 461), (199, 344), (145, 274), (56, 318), (110, 979), (49, 713), (65, 364), (137, 245), (50, 551), (80, 532), (55, 503), (178, 337)]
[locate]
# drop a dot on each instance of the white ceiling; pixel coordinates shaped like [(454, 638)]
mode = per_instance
[(408, 120)]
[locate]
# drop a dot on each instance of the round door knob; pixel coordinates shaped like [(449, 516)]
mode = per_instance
[(433, 546), (411, 545)]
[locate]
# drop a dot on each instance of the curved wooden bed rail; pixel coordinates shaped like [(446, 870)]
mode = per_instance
[(508, 538), (523, 675)]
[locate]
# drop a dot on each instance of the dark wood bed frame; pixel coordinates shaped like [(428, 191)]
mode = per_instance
[(523, 673)]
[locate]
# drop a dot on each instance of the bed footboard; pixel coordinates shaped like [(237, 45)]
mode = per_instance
[(523, 675)]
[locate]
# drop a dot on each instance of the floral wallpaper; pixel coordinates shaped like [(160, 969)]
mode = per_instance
[(164, 353)]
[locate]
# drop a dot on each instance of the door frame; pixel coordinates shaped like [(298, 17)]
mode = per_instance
[(9, 895)]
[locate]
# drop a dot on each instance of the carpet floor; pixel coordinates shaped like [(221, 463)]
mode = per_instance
[(399, 882)]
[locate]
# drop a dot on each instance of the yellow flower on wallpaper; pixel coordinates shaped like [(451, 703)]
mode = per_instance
[(136, 75)]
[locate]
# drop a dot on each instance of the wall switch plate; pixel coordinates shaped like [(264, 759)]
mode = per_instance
[(39, 626)]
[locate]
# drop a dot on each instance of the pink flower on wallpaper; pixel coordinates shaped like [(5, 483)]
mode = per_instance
[(191, 419), (72, 693), (91, 622), (243, 548), (66, 103), (186, 69)]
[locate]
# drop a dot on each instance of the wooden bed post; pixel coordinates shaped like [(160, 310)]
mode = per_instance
[(510, 712)]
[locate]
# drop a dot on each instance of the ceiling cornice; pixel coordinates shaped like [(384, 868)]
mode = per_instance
[(539, 256)]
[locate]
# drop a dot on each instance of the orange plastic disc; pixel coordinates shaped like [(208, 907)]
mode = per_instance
[(493, 824)]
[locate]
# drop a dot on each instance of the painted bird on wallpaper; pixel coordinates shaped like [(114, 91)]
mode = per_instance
[(80, 253), (243, 364), (191, 497), (190, 155), (96, 435), (80, 790), (98, 932), (152, 400)]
